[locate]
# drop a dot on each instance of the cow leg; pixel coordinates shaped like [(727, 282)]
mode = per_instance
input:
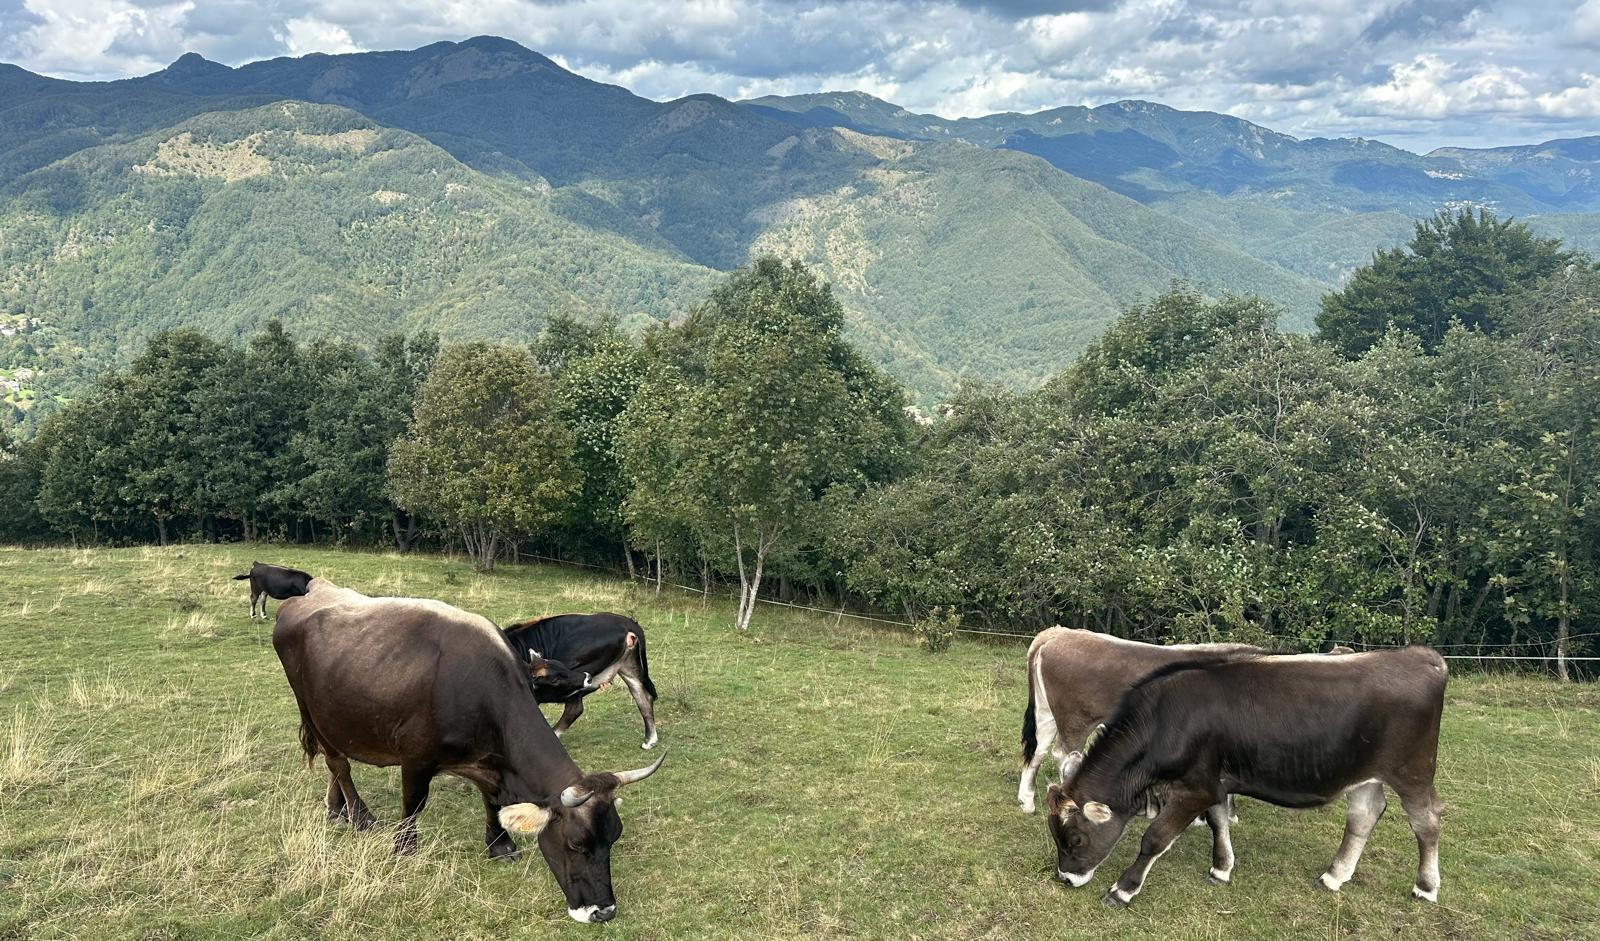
[(1044, 734), (1176, 813), (501, 847), (1221, 873), (254, 598), (1366, 804), (335, 800), (354, 806), (647, 709), (569, 714), (1422, 807), (414, 784)]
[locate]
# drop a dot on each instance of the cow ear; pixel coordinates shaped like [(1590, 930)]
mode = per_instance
[(1055, 799), (524, 820), (1097, 812)]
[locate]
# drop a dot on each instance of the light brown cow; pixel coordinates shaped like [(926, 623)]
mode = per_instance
[(1075, 680)]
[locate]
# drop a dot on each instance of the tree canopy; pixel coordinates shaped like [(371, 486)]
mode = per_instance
[(1458, 267)]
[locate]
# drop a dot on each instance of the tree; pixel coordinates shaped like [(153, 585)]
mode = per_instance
[(486, 452), (1558, 462), (1458, 266), (749, 412), (164, 468)]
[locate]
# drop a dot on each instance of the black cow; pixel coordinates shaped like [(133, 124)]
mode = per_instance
[(273, 581), (605, 646), (432, 688), (1296, 731)]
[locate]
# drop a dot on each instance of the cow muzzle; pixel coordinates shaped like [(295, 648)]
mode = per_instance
[(1075, 880), (593, 914)]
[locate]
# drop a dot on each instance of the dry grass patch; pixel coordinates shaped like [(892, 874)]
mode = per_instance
[(31, 755)]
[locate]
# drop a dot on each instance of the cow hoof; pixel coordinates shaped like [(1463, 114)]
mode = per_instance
[(648, 745), (1025, 807), (366, 823), (1424, 895), (1326, 883), (404, 847), (1114, 899), (1218, 877)]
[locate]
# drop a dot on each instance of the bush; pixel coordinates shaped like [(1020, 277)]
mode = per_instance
[(937, 629)]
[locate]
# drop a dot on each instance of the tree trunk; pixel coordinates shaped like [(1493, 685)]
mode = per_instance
[(750, 587), (480, 542), (658, 568), (161, 528), (627, 560), (403, 537)]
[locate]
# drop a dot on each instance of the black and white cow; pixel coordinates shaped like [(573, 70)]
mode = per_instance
[(604, 646), (273, 581), (1297, 731)]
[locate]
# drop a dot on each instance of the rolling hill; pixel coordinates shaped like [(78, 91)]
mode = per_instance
[(476, 187)]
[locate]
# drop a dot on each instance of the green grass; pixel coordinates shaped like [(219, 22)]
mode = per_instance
[(823, 780)]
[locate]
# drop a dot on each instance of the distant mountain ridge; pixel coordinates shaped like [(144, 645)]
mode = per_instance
[(1148, 151), (992, 247)]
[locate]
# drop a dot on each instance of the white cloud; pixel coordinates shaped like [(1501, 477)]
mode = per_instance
[(305, 34), (1430, 87), (1577, 101)]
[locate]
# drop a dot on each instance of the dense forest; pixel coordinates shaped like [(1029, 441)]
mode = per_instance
[(1417, 471)]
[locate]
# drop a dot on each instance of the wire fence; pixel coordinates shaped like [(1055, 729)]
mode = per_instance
[(843, 613)]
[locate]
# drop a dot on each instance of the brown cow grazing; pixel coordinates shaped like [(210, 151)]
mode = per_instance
[(432, 688), (1075, 679), (1296, 731)]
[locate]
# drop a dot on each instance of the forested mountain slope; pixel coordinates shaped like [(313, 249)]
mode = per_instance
[(482, 187), (476, 187), (315, 215)]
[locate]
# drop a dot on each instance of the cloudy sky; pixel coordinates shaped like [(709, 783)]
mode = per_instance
[(1417, 73)]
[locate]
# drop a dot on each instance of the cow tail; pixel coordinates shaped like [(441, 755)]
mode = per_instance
[(240, 578), (644, 669), (308, 738), (1030, 732)]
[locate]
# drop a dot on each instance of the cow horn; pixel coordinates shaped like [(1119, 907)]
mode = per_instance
[(628, 777), (575, 796), (1070, 766)]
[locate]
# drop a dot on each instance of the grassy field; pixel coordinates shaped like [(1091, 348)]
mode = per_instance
[(823, 780)]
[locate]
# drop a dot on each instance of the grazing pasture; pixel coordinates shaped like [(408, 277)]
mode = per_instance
[(823, 780)]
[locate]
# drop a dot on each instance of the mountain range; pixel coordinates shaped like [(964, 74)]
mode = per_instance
[(477, 187)]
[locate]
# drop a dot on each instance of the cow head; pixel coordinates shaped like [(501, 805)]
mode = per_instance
[(554, 681), (1084, 833), (575, 834)]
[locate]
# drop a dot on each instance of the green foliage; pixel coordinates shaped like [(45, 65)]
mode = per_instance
[(1199, 474), (197, 438), (749, 413), (937, 629), (486, 451), (1458, 267)]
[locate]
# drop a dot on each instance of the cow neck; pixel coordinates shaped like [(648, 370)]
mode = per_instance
[(1115, 772), (537, 766)]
